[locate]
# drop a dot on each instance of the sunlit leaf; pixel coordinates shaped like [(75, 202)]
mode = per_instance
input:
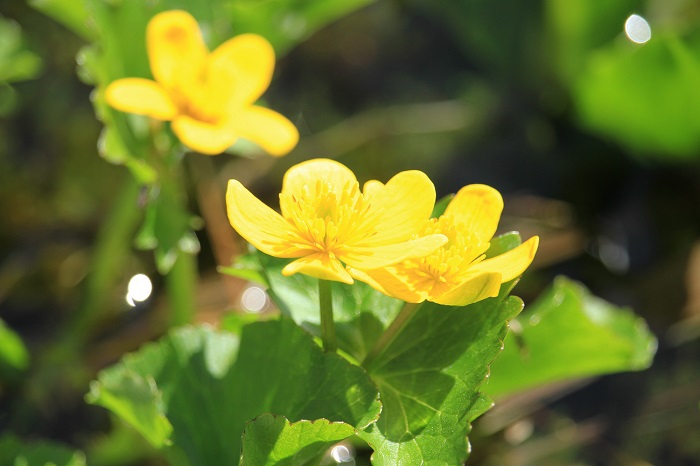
[(14, 452), (643, 95), (569, 333), (272, 440), (429, 377), (638, 95), (209, 384)]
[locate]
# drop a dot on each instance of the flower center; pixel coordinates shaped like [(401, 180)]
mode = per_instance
[(445, 267), (198, 102), (328, 218)]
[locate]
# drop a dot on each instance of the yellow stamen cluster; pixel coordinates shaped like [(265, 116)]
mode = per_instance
[(328, 219), (445, 267)]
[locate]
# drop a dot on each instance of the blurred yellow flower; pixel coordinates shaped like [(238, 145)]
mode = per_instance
[(327, 223), (457, 273), (208, 96)]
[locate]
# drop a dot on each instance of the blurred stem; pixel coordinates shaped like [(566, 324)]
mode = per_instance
[(211, 200), (110, 252), (407, 312), (180, 283), (325, 302)]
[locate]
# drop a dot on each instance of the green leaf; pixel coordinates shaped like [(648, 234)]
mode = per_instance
[(145, 407), (112, 148), (208, 384), (272, 440), (569, 333), (14, 356), (14, 452), (428, 377), (503, 243), (245, 274), (16, 62), (617, 95), (70, 13), (615, 83), (441, 205), (247, 267), (167, 227)]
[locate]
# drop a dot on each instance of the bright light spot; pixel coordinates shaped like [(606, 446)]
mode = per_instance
[(139, 289), (254, 299), (637, 29), (342, 454)]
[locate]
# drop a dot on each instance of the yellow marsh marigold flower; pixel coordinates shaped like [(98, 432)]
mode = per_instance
[(208, 97), (326, 222), (457, 273)]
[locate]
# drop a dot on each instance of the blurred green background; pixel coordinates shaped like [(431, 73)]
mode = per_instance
[(594, 140)]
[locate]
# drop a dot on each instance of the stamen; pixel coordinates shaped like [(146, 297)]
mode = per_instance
[(328, 218)]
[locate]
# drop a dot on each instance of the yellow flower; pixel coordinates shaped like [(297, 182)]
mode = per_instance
[(327, 223), (208, 97), (457, 273)]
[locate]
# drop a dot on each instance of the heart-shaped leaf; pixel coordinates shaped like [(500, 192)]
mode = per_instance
[(428, 378)]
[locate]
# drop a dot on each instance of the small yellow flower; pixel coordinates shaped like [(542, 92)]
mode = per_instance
[(327, 223), (208, 97), (457, 273)]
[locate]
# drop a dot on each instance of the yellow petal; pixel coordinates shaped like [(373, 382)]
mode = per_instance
[(406, 202), (384, 255), (372, 188), (475, 288), (140, 96), (241, 68), (387, 281), (176, 50), (306, 174), (267, 128), (320, 266), (203, 137), (257, 223), (510, 264), (478, 208)]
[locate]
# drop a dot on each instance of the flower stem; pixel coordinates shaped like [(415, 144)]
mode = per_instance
[(407, 312), (181, 283), (325, 302)]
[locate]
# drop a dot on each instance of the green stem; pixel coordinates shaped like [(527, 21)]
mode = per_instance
[(180, 283), (107, 262), (407, 312), (325, 302)]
